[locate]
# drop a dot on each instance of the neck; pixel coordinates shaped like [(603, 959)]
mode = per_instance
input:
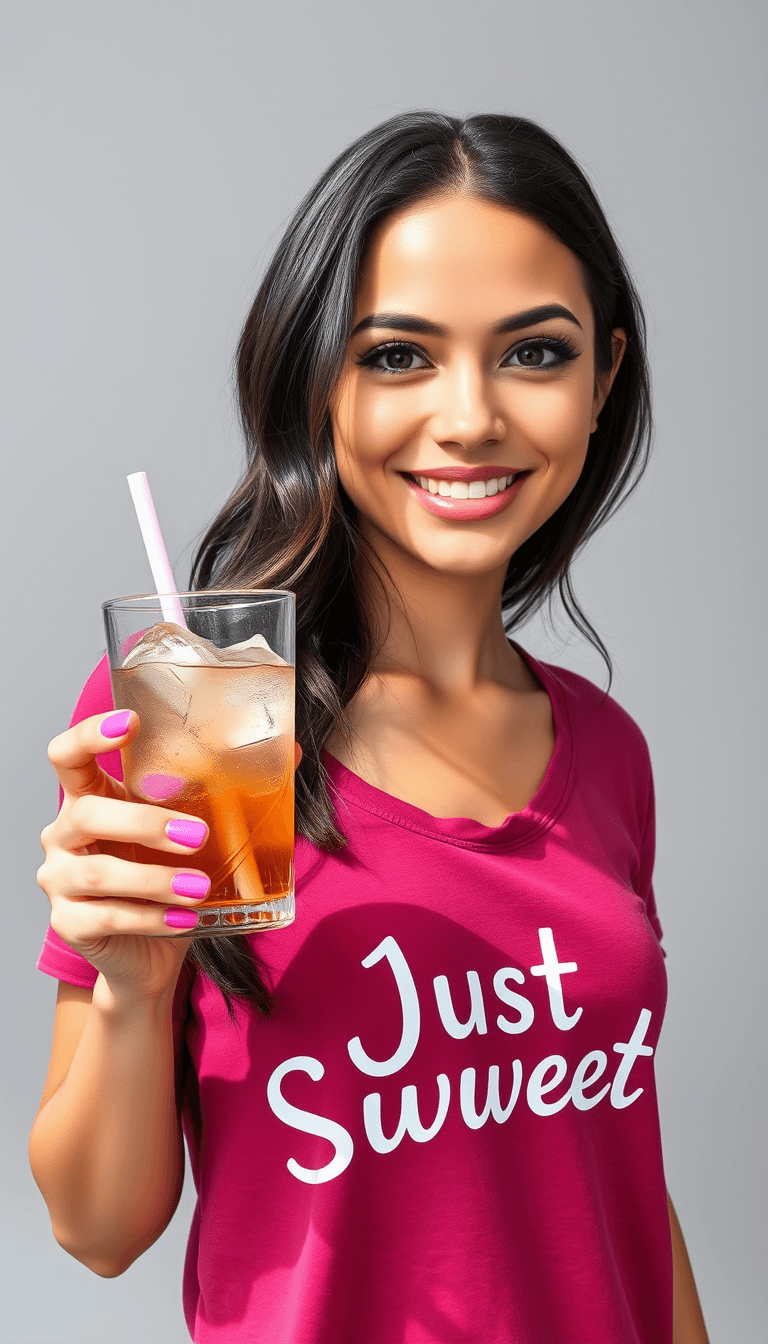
[(445, 629)]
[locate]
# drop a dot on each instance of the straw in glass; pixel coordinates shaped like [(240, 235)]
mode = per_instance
[(157, 555)]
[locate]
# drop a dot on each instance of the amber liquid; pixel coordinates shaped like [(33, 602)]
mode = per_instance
[(218, 743)]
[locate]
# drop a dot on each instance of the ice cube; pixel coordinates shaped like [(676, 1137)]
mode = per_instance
[(257, 707), (226, 698), (169, 687), (153, 688), (169, 643), (250, 652), (246, 725)]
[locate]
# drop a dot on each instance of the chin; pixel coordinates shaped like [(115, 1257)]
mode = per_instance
[(462, 563), (460, 551)]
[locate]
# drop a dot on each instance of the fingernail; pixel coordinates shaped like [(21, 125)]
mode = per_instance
[(189, 833), (191, 884), (161, 787), (116, 725), (181, 919)]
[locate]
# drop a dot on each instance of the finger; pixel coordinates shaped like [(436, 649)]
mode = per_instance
[(104, 877), (73, 753), (90, 817), (297, 755), (85, 925)]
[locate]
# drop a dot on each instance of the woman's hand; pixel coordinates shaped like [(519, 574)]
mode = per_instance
[(95, 890)]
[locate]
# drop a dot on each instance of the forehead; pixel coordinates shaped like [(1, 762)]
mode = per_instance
[(459, 260)]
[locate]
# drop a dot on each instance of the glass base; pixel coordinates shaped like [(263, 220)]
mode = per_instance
[(223, 920)]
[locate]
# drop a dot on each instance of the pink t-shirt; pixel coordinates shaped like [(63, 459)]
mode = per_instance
[(447, 1132)]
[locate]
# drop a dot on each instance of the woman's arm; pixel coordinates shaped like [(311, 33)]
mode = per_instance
[(106, 1147), (688, 1320)]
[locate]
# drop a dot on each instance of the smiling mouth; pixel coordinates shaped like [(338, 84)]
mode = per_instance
[(466, 494), (468, 487)]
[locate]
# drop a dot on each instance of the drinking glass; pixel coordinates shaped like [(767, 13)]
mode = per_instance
[(216, 704)]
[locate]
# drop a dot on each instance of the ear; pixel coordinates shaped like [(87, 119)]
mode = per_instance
[(604, 381)]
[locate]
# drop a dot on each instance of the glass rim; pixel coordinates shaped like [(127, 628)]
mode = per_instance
[(247, 596)]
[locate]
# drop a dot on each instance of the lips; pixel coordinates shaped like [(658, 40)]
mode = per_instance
[(465, 493)]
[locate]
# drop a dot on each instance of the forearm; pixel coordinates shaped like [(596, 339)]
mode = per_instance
[(688, 1320), (106, 1148)]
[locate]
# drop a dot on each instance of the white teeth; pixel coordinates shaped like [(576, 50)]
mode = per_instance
[(465, 489)]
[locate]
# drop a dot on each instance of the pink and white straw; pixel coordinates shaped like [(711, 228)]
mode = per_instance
[(157, 555)]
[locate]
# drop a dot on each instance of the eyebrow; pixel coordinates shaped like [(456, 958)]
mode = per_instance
[(420, 326)]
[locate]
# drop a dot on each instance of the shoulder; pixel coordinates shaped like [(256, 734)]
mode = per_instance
[(608, 742), (591, 705)]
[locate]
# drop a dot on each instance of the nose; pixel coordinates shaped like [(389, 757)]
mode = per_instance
[(465, 414)]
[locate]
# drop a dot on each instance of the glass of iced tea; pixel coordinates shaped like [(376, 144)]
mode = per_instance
[(215, 696)]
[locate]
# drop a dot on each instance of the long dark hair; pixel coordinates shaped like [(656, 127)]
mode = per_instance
[(288, 524)]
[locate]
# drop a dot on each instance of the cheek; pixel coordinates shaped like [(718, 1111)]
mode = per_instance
[(556, 422), (368, 428)]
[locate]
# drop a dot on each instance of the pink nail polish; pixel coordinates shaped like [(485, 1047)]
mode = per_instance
[(161, 787), (189, 833), (191, 884), (116, 725), (181, 919)]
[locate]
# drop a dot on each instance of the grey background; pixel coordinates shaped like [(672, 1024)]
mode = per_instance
[(152, 153)]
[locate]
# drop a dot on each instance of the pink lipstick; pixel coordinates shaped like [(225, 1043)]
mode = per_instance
[(464, 494)]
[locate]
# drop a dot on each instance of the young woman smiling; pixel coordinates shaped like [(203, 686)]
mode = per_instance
[(427, 1111)]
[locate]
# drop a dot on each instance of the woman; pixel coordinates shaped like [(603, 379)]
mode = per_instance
[(426, 1111)]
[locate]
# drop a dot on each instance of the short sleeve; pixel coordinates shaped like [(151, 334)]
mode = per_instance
[(647, 860), (56, 958)]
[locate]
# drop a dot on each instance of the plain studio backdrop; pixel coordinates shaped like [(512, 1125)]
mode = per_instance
[(153, 152)]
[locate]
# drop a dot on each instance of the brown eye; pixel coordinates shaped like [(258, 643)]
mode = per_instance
[(398, 358), (395, 357), (544, 353), (531, 356)]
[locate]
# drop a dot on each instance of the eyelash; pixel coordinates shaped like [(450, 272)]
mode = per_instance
[(559, 345)]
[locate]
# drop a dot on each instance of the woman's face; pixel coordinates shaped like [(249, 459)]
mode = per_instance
[(462, 417)]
